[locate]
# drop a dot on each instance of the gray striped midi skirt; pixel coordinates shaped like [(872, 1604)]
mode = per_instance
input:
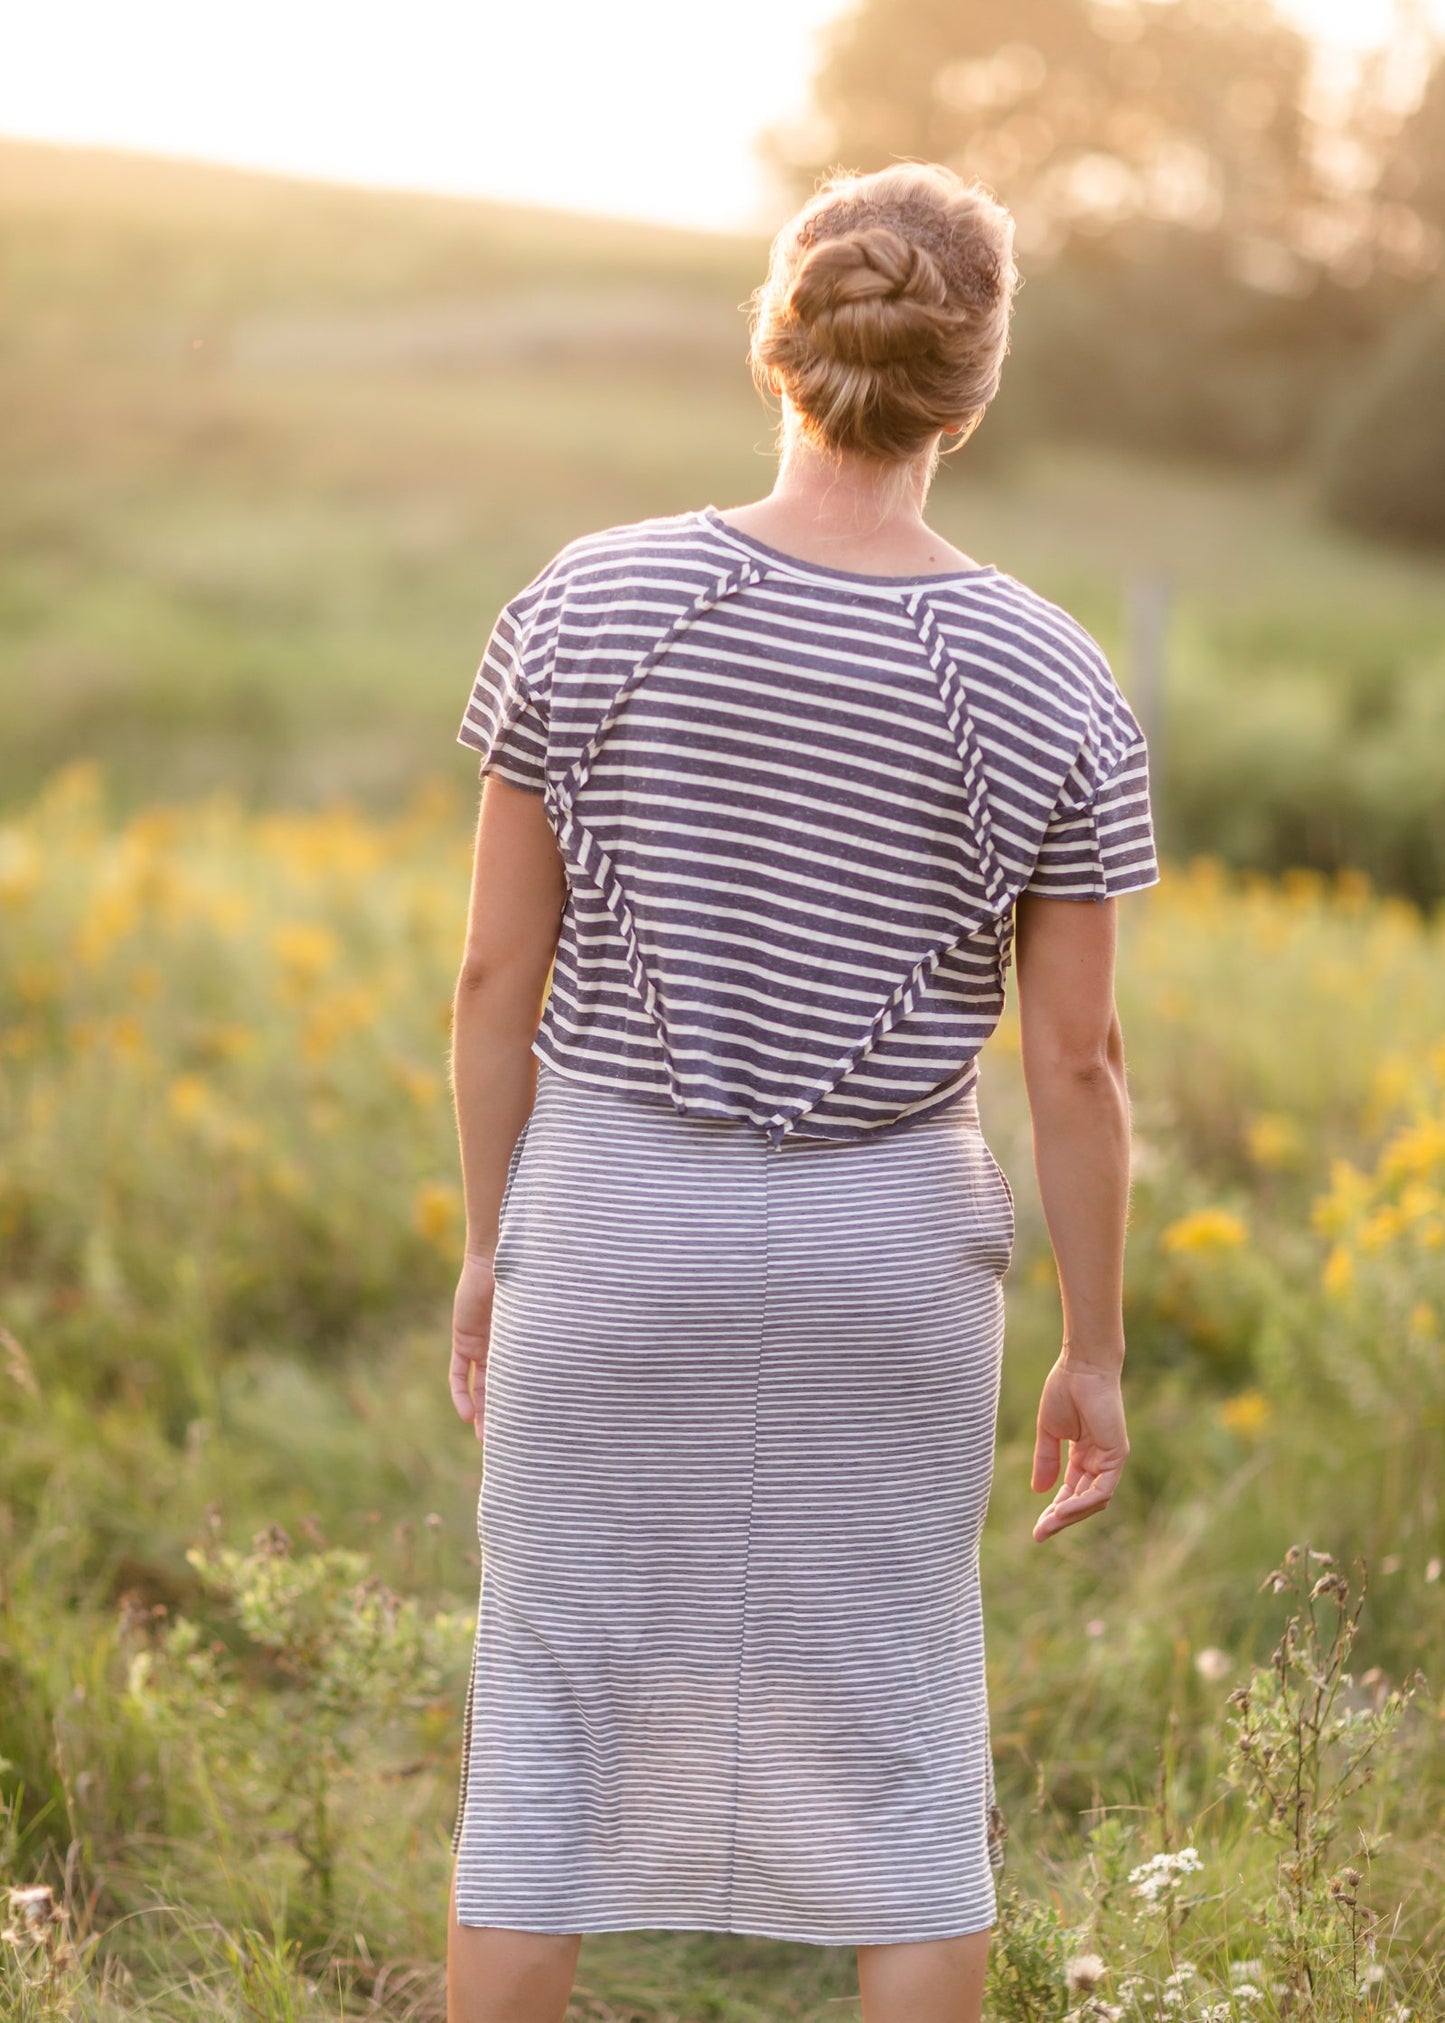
[(737, 1447)]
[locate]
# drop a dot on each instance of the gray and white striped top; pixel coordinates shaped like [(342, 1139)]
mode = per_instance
[(797, 805)]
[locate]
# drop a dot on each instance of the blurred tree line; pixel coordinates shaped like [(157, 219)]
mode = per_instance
[(1231, 248)]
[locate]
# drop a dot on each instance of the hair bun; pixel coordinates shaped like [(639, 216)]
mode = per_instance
[(869, 297), (884, 318)]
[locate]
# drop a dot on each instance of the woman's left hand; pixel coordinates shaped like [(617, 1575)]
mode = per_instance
[(471, 1333)]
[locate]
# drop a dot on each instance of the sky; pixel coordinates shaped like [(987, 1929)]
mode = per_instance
[(631, 108)]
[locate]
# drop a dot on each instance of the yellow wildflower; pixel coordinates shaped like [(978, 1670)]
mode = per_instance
[(111, 917), (1302, 885), (1377, 1230), (1205, 877), (1246, 1413), (1339, 1273), (1391, 1082), (189, 1097), (1348, 1193), (1273, 1139), (126, 1034), (37, 983), (437, 1214), (1205, 1229), (20, 868), (1353, 889), (155, 828), (1417, 1201), (1416, 1150), (74, 785), (305, 950)]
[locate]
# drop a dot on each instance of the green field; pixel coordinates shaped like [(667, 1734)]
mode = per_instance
[(278, 456)]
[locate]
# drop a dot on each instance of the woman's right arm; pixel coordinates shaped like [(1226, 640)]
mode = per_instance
[(1073, 1064)]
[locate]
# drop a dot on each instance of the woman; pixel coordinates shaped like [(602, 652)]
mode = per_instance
[(771, 793)]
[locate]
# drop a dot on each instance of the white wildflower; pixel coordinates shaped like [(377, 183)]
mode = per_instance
[(1216, 2012), (1084, 1972), (1245, 1970), (1248, 1991), (1176, 1985), (1151, 1878), (38, 1918)]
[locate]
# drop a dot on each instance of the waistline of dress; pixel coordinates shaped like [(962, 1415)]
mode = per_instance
[(958, 1111)]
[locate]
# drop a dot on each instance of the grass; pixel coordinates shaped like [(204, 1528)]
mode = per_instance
[(229, 1219)]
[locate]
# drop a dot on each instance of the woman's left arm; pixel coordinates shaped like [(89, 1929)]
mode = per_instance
[(519, 890)]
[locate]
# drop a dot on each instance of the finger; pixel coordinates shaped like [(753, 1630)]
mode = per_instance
[(1078, 1474), (1048, 1450), (1089, 1492), (479, 1397), (1094, 1458), (461, 1384), (1069, 1509)]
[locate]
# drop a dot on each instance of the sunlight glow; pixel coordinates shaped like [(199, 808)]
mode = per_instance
[(641, 108)]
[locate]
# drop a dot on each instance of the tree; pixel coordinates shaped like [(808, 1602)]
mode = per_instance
[(1079, 113)]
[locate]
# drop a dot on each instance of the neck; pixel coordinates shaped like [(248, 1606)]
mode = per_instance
[(849, 494)]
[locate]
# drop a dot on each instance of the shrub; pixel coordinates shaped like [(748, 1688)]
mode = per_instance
[(1381, 456)]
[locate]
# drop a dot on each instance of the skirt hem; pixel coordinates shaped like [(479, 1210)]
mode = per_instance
[(744, 1930)]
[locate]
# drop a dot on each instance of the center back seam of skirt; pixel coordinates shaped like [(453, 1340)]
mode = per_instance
[(767, 1169)]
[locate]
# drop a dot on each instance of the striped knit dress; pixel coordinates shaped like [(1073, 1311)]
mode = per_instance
[(743, 1377)]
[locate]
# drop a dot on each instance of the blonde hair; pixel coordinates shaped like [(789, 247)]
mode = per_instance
[(885, 313)]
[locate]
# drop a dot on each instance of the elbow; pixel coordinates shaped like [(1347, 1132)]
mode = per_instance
[(1090, 1069), (1069, 1061), (489, 989), (499, 998), (475, 977)]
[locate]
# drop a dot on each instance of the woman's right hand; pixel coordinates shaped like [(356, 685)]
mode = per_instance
[(1082, 1403)]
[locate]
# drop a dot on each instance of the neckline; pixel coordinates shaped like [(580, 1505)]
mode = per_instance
[(713, 518)]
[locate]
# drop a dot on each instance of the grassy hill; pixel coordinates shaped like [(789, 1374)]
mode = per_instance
[(278, 451)]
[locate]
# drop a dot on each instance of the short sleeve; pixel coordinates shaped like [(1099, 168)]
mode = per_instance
[(1105, 845), (504, 718)]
